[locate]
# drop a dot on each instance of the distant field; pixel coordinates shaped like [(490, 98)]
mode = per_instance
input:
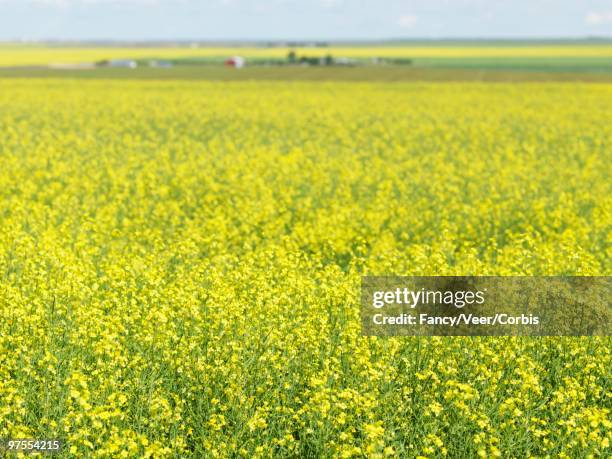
[(542, 63), (591, 55), (382, 74)]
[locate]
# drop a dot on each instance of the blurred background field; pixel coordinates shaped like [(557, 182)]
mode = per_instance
[(583, 60), (389, 74)]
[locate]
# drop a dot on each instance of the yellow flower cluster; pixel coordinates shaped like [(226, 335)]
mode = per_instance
[(180, 266)]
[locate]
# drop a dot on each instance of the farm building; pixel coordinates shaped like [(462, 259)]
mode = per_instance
[(123, 63), (160, 64), (236, 62)]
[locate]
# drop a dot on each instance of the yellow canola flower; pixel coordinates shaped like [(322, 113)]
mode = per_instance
[(180, 265)]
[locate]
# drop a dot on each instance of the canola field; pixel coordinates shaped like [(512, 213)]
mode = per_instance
[(25, 55), (180, 265)]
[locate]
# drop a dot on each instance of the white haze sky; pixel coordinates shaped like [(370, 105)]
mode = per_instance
[(301, 19)]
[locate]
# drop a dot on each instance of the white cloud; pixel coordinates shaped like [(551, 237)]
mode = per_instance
[(599, 18), (407, 20), (331, 3), (93, 2), (52, 2)]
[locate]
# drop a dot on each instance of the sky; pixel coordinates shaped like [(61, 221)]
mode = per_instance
[(301, 19)]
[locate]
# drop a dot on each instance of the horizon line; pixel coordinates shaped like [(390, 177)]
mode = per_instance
[(304, 41)]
